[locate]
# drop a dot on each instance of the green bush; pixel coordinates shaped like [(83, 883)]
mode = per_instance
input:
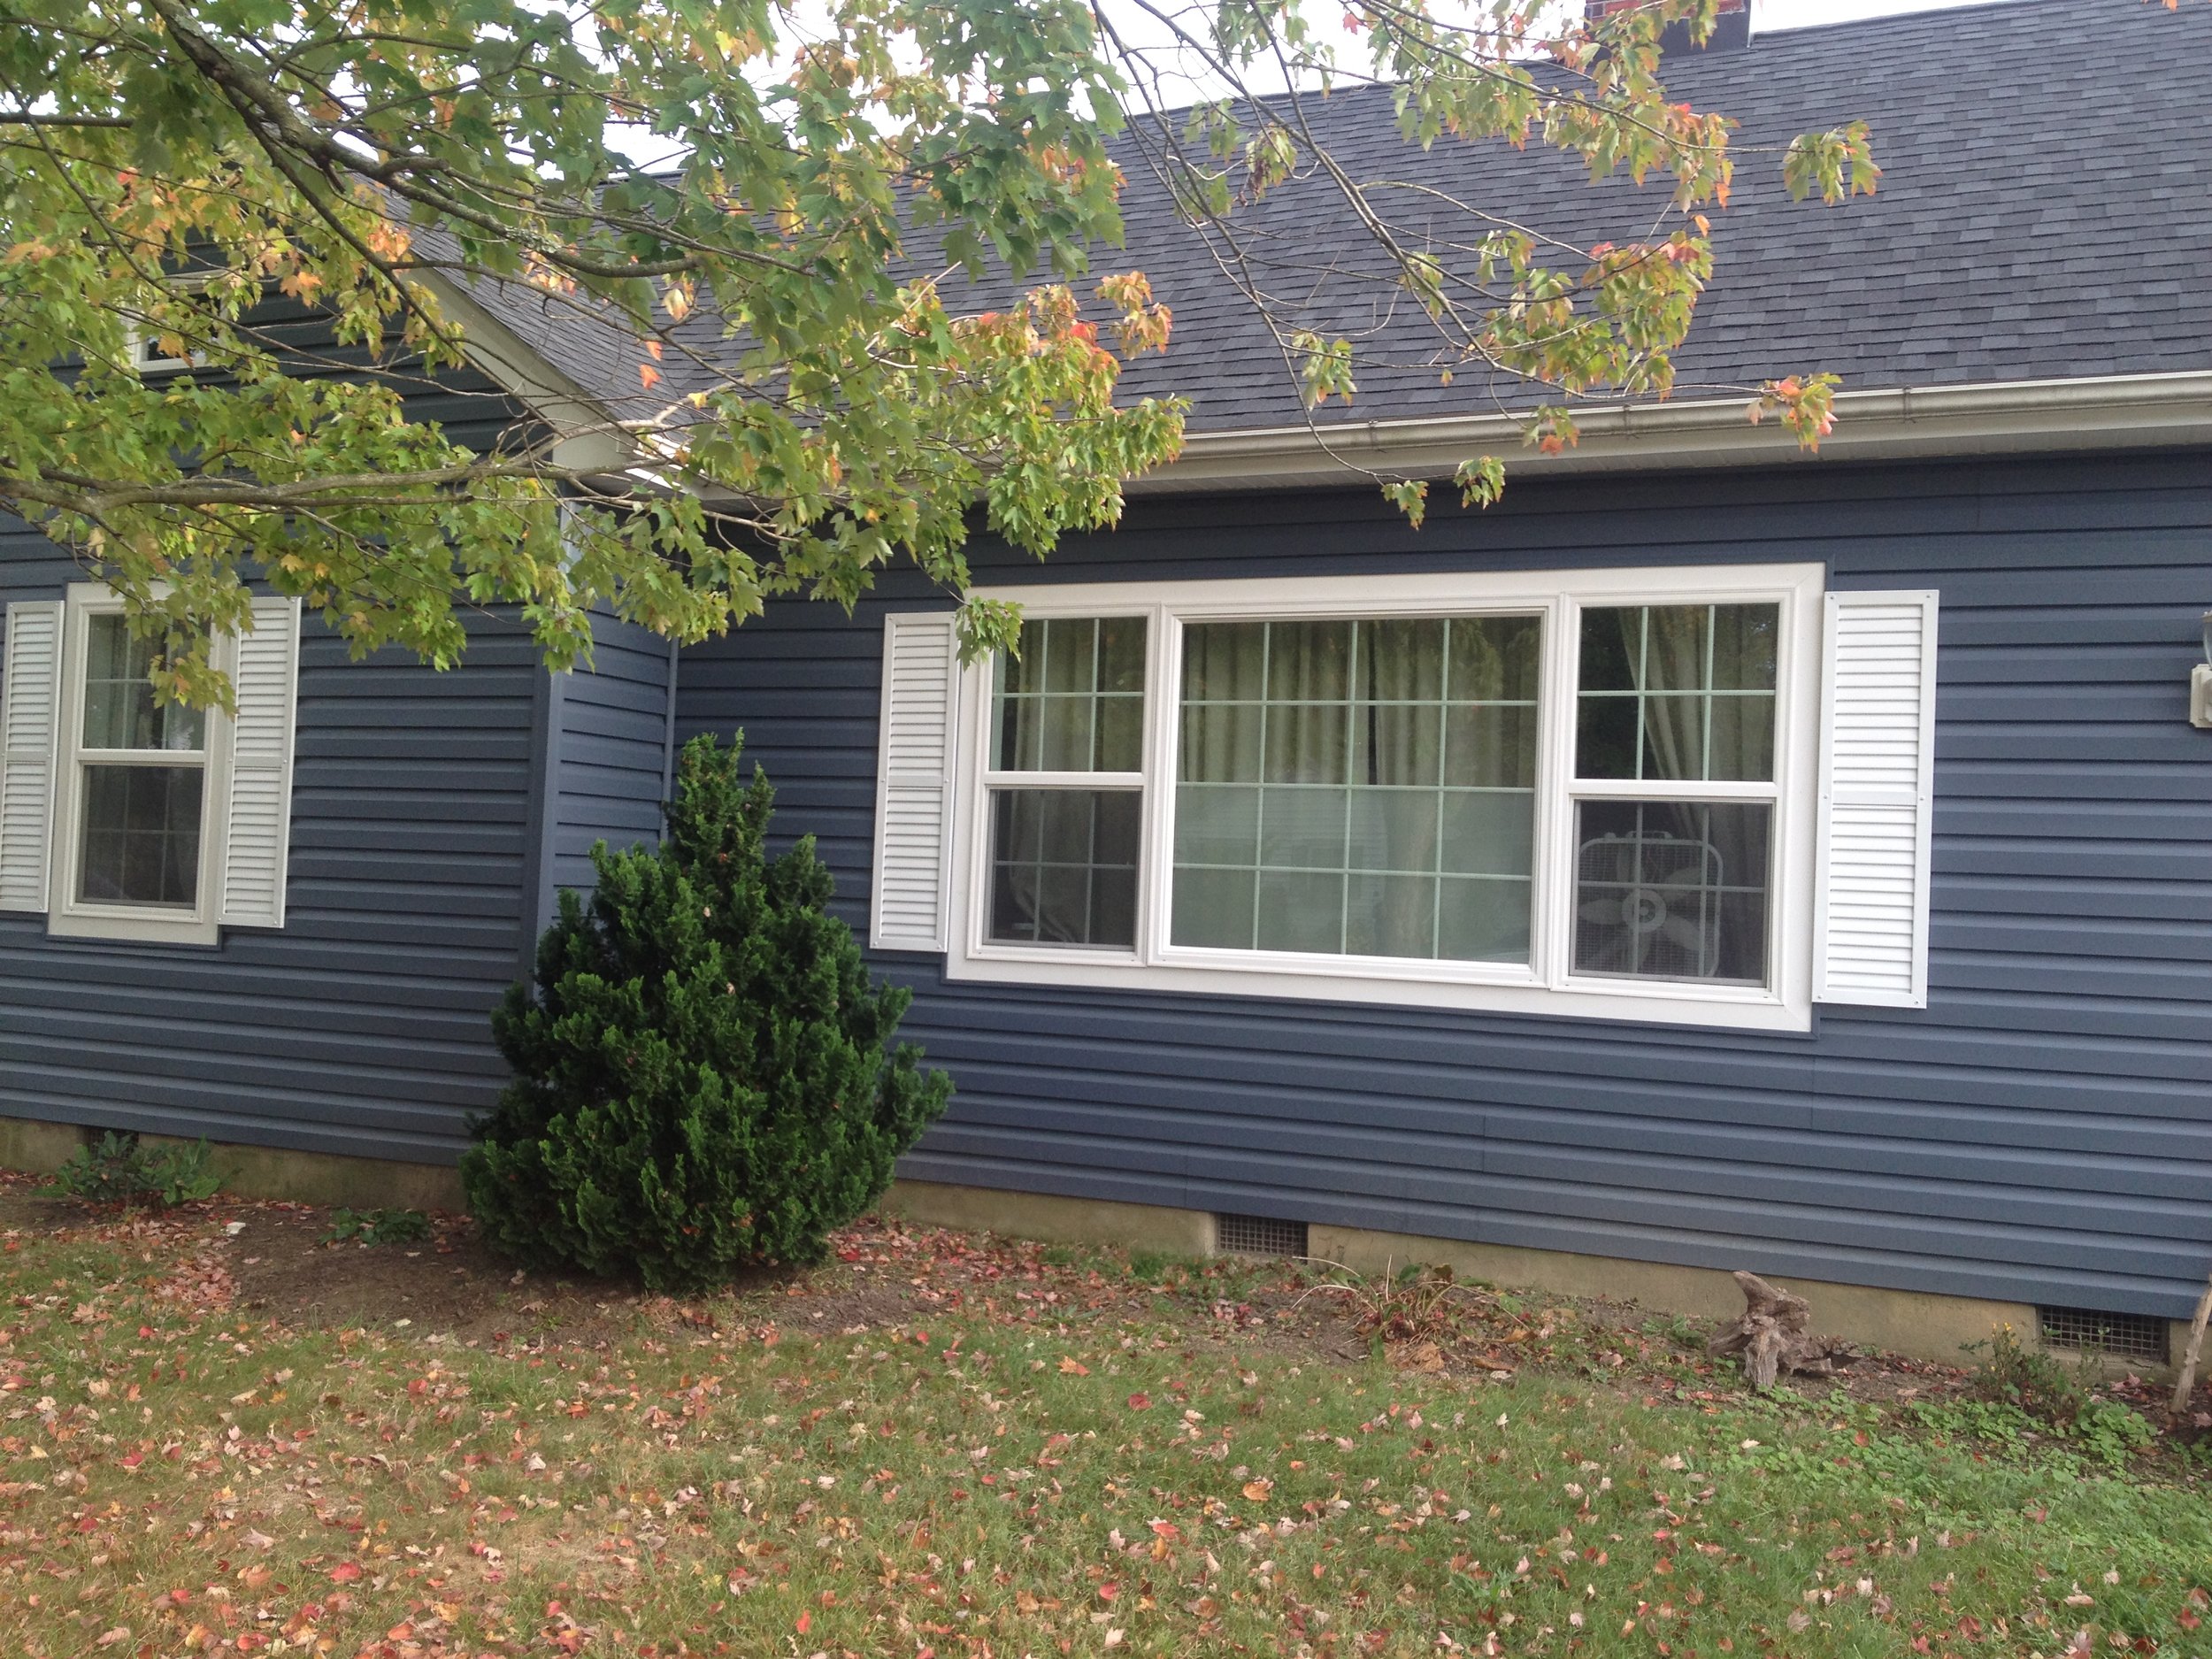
[(701, 1076), (377, 1226), (116, 1169)]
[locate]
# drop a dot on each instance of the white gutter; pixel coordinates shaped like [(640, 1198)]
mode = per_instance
[(1996, 417)]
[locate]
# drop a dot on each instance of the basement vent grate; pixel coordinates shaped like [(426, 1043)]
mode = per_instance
[(1259, 1235), (2120, 1335)]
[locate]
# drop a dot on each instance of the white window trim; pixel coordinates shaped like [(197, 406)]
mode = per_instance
[(71, 917), (1544, 985)]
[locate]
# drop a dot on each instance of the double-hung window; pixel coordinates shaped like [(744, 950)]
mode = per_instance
[(124, 818), (138, 790), (1595, 792)]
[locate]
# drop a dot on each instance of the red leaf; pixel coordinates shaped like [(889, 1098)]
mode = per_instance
[(346, 1572)]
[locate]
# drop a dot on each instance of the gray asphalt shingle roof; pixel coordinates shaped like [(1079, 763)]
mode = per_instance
[(2044, 212)]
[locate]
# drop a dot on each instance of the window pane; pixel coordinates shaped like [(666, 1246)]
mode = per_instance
[(1484, 921), (1074, 699), (1215, 906), (1224, 662), (1491, 746), (1672, 890), (1358, 729), (1397, 744), (142, 836), (1390, 915), (1676, 693), (1218, 823), (1064, 866), (1307, 742), (1221, 742), (1309, 661), (1300, 910), (1303, 829), (1489, 832), (1494, 659), (119, 701)]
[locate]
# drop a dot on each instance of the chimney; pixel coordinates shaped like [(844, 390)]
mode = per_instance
[(1731, 24)]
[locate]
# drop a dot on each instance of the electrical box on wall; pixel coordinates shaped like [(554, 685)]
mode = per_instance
[(2201, 695)]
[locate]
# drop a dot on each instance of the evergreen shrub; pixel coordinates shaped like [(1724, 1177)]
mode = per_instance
[(703, 1075)]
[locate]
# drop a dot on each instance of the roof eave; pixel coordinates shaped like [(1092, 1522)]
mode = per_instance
[(1996, 418), (589, 436)]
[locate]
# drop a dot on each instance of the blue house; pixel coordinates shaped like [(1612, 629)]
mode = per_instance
[(1709, 858)]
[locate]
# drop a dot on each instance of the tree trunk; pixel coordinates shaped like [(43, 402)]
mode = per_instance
[(1774, 1337), (2186, 1383)]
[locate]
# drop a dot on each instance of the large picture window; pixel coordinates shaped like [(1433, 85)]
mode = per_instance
[(1583, 791), (1357, 788)]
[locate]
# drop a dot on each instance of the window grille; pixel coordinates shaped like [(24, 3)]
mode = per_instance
[(1259, 1235), (2122, 1335)]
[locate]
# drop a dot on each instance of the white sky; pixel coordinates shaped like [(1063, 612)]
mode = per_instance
[(1767, 15), (805, 19)]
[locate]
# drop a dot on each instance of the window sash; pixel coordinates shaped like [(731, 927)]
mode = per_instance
[(69, 914), (1546, 983)]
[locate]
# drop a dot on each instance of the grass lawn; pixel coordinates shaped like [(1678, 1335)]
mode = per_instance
[(936, 1447)]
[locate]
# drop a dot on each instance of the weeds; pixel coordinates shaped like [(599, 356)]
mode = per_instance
[(116, 1169), (2041, 1386), (378, 1226)]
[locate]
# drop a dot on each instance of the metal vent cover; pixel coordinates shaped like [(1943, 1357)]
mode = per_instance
[(2120, 1335), (1259, 1235)]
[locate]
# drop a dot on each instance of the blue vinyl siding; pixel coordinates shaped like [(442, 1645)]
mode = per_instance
[(2041, 1131), (361, 1026), (607, 757)]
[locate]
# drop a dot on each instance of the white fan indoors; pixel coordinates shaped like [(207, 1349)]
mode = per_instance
[(1657, 908)]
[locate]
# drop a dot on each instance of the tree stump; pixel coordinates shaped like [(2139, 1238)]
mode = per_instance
[(1773, 1336)]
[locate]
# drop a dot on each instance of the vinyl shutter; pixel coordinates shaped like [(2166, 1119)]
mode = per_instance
[(921, 668), (1876, 800), (30, 719), (255, 851)]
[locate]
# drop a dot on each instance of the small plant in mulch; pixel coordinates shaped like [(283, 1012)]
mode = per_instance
[(116, 1169), (377, 1226)]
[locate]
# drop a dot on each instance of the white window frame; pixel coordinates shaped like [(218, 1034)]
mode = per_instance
[(1546, 984), (69, 917)]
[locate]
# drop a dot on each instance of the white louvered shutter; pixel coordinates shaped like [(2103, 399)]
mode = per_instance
[(1876, 800), (30, 721), (266, 677), (921, 669)]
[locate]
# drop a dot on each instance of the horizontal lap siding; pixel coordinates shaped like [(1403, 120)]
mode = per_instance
[(2041, 1131), (361, 1027), (609, 749)]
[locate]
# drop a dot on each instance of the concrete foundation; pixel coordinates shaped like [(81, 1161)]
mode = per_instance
[(313, 1178), (1912, 1323)]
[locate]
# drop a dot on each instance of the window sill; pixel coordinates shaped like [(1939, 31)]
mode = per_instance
[(124, 926), (1480, 988)]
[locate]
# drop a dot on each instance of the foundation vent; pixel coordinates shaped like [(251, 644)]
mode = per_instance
[(2120, 1335), (1259, 1235)]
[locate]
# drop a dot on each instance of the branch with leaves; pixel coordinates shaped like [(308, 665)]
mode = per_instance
[(313, 202)]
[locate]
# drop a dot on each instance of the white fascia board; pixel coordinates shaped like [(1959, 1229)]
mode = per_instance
[(526, 373), (2105, 412)]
